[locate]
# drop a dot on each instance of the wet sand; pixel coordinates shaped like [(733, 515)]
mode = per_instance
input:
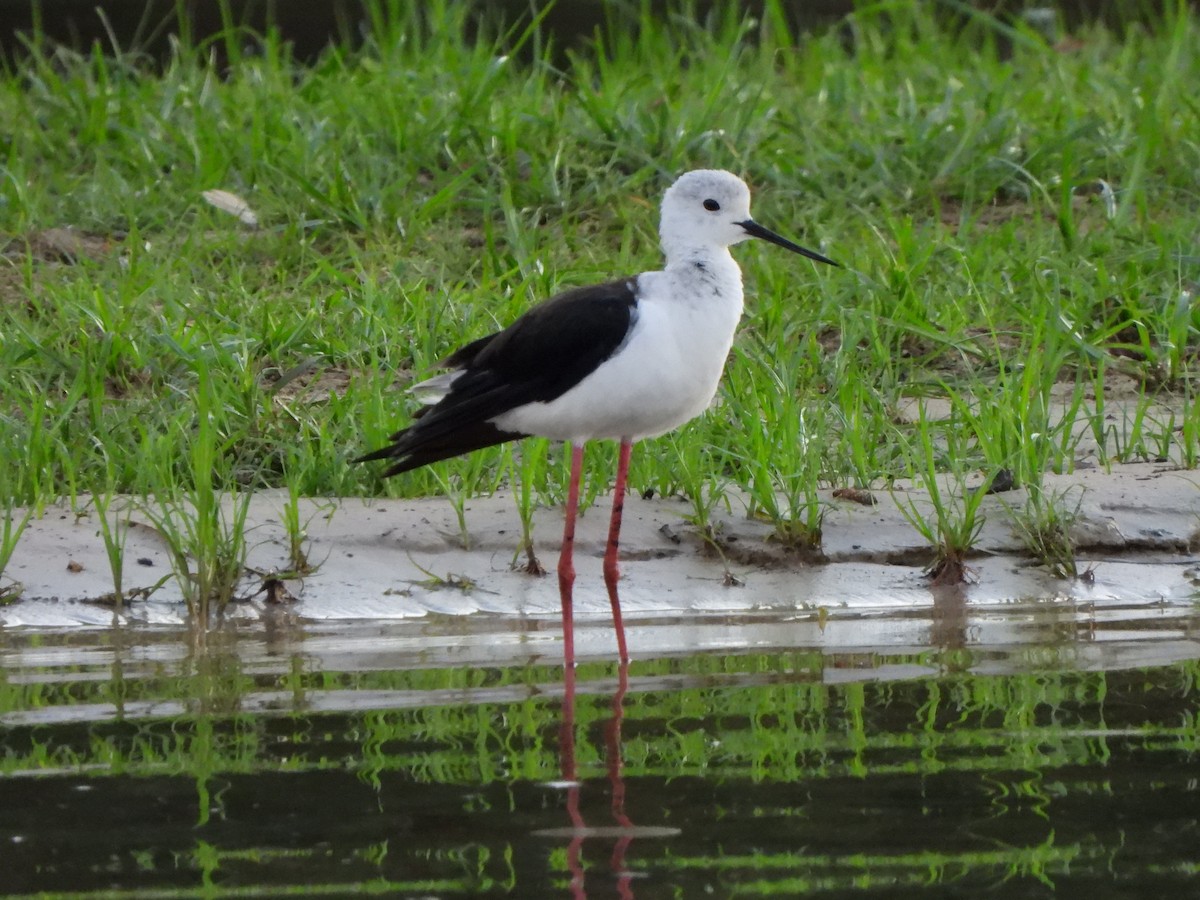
[(382, 560)]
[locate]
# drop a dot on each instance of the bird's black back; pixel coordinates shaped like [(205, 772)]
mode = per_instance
[(536, 359)]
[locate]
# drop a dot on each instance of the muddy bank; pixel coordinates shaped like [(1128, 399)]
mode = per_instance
[(391, 560)]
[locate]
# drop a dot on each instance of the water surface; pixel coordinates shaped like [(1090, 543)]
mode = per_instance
[(441, 758)]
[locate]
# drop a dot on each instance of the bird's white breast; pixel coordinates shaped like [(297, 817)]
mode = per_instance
[(668, 368)]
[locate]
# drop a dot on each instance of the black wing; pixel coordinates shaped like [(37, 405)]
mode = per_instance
[(537, 358)]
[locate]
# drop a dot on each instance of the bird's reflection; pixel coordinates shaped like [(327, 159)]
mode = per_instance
[(567, 763), (612, 746), (623, 829)]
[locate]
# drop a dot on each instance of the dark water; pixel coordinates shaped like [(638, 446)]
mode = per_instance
[(313, 761)]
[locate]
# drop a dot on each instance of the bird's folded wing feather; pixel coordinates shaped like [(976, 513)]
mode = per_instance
[(542, 355), (538, 358)]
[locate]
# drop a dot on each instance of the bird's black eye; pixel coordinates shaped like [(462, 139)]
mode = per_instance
[(712, 205)]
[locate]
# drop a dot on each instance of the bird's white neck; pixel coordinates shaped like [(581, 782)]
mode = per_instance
[(679, 249), (703, 273)]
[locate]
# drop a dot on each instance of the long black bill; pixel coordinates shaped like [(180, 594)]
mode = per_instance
[(755, 230)]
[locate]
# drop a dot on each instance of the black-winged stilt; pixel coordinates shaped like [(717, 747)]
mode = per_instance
[(624, 360)]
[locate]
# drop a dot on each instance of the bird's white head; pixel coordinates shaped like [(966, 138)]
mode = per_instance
[(707, 209)]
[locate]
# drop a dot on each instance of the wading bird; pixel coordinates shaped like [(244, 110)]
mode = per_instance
[(624, 360)]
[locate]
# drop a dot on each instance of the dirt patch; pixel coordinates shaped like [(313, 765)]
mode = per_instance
[(1134, 533), (309, 384), (60, 245)]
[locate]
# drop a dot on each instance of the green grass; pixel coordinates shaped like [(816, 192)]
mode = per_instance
[(1006, 225)]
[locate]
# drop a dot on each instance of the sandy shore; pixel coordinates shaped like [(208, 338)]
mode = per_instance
[(401, 560)]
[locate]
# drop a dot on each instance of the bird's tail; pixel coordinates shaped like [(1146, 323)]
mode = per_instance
[(410, 449)]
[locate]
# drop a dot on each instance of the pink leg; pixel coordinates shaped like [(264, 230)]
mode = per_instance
[(611, 571), (566, 565)]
